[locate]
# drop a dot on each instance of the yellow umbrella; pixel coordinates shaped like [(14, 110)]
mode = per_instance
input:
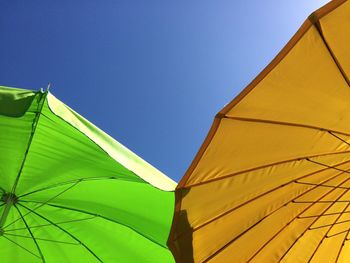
[(270, 182)]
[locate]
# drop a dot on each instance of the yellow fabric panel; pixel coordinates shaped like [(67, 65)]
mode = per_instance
[(229, 194), (304, 86), (249, 226), (314, 235), (344, 253), (243, 249), (303, 249), (236, 190), (343, 223), (253, 144), (336, 29), (278, 247), (223, 231), (328, 249)]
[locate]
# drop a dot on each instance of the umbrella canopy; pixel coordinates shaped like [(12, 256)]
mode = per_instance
[(70, 193), (271, 181)]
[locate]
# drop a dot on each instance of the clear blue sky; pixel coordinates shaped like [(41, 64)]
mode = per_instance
[(151, 73)]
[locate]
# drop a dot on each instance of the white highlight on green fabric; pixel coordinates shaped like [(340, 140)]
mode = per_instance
[(116, 150)]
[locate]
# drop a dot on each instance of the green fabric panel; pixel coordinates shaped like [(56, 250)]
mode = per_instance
[(15, 248), (138, 206), (15, 102), (60, 153), (78, 203), (14, 134), (111, 242)]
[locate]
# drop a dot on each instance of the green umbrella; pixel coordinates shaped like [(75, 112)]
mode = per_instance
[(70, 193)]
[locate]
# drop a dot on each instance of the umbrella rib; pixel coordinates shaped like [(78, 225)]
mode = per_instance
[(343, 212), (276, 163), (231, 241), (63, 230), (329, 229), (31, 234), (339, 138), (336, 223), (75, 180), (329, 214), (299, 217), (339, 233), (316, 217), (99, 146), (41, 101), (44, 225), (21, 246), (261, 195), (316, 21), (308, 228), (343, 243), (264, 166), (43, 239), (42, 204), (320, 202), (60, 184), (323, 185), (100, 216), (34, 126), (326, 165), (284, 124)]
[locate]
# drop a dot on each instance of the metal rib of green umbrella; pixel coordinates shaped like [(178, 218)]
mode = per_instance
[(71, 193)]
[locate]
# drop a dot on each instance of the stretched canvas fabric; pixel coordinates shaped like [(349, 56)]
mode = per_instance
[(270, 182), (70, 193)]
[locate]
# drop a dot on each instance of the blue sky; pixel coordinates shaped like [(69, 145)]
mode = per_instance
[(153, 73)]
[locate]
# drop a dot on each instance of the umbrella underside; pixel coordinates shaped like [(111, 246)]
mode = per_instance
[(65, 198), (271, 181)]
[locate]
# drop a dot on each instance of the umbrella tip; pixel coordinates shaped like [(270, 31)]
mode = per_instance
[(313, 18), (47, 88)]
